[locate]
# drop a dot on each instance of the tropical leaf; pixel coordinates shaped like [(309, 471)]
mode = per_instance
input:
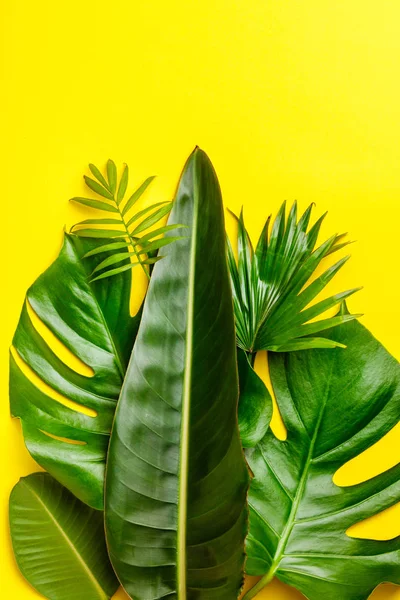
[(112, 175), (255, 403), (335, 404), (176, 479), (68, 435), (59, 542), (270, 288), (115, 193)]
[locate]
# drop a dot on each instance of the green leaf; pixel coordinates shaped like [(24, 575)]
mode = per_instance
[(112, 175), (160, 231), (107, 248), (335, 404), (93, 322), (270, 286), (115, 271), (123, 184), (99, 176), (59, 542), (95, 204), (136, 195), (255, 403), (113, 259), (146, 210), (160, 243), (97, 188), (97, 222), (176, 479), (152, 219), (112, 272), (100, 233)]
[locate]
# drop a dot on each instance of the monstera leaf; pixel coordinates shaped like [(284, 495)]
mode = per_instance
[(176, 479), (59, 542), (335, 404), (255, 403), (69, 438)]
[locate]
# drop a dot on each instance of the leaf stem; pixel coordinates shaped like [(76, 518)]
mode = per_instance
[(295, 505), (261, 584), (133, 243)]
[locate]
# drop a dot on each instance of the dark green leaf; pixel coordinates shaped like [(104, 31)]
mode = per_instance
[(335, 404), (95, 204), (94, 323), (95, 171), (255, 403), (112, 175), (176, 479), (137, 194), (59, 542), (97, 188), (123, 184)]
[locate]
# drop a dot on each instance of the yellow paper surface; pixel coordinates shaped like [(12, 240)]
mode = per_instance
[(290, 99)]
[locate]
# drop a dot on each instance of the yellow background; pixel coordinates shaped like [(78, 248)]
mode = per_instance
[(294, 99)]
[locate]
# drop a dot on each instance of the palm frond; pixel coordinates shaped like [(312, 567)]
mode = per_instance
[(113, 200), (271, 290)]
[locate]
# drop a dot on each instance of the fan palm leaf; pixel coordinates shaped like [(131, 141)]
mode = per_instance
[(271, 293)]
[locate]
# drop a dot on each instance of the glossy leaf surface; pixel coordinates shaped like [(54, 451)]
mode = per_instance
[(270, 291), (176, 478), (92, 321), (335, 404), (59, 542), (255, 403)]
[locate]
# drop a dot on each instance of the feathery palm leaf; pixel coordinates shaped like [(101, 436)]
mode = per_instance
[(126, 226), (270, 291)]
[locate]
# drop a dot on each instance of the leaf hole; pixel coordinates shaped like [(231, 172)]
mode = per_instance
[(57, 346), (47, 389), (277, 425), (139, 285), (380, 457), (63, 439), (383, 526)]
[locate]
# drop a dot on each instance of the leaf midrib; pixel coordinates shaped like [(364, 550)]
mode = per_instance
[(184, 437), (280, 550), (69, 542)]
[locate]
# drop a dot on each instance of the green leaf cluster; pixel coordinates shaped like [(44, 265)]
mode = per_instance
[(271, 289), (138, 239), (175, 419)]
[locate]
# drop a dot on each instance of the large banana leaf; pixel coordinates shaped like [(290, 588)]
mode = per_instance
[(176, 479), (59, 542), (92, 320), (335, 404)]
